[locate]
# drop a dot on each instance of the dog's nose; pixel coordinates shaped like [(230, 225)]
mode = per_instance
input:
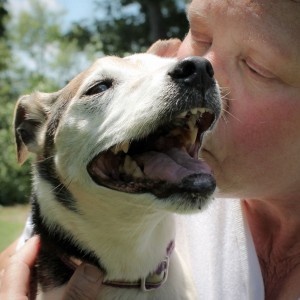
[(193, 71)]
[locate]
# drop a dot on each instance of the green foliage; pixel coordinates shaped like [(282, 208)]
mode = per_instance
[(127, 26), (45, 59), (3, 15), (14, 181), (35, 57)]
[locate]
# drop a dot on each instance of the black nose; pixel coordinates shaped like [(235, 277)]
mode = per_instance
[(193, 71)]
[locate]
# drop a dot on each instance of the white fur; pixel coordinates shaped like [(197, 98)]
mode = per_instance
[(129, 232)]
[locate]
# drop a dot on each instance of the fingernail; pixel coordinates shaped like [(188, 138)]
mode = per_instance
[(91, 273)]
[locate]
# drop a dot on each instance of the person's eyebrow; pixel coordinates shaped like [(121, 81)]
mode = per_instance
[(195, 14)]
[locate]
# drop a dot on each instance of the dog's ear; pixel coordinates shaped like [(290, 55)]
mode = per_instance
[(165, 48), (30, 114)]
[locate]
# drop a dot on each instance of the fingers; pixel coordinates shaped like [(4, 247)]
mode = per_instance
[(16, 276), (7, 253), (85, 284), (28, 252)]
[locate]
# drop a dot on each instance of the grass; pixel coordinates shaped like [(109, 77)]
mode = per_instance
[(12, 221)]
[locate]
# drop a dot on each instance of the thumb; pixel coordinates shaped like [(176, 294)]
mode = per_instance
[(85, 284)]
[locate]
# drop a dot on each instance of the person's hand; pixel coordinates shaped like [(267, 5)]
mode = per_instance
[(85, 284), (15, 278)]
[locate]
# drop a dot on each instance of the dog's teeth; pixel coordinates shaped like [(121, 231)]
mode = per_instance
[(115, 150), (194, 111), (120, 147), (183, 115), (132, 168), (193, 135), (190, 124), (124, 147), (203, 110), (127, 163), (138, 173)]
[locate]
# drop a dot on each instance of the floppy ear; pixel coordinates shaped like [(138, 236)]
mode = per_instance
[(30, 114), (166, 48)]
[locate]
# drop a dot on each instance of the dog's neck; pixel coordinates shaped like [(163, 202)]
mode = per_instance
[(154, 280), (128, 238)]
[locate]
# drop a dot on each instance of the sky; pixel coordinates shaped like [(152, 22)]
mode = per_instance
[(75, 10)]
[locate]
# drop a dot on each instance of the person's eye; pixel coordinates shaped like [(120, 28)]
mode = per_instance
[(201, 42), (257, 70), (99, 88)]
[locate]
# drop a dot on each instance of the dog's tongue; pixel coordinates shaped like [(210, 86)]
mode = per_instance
[(172, 166)]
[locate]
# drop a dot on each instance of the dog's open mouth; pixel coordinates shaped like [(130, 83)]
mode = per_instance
[(163, 163)]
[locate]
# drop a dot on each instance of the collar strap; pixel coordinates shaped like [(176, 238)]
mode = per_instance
[(153, 281)]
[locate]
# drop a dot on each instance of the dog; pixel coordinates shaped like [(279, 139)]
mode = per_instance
[(116, 158)]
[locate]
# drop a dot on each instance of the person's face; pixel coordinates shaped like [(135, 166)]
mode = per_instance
[(254, 47)]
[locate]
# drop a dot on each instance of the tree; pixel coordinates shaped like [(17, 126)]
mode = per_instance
[(34, 56), (126, 26), (44, 56), (4, 47), (13, 186), (3, 15)]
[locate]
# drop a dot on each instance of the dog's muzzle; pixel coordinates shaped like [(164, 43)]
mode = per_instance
[(167, 161)]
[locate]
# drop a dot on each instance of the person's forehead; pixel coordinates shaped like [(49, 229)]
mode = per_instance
[(286, 11), (278, 21)]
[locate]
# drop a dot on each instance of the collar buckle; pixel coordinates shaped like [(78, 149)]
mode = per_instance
[(157, 278)]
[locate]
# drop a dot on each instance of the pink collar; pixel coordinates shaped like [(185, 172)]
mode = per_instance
[(153, 281)]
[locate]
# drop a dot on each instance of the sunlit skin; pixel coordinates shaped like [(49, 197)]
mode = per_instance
[(255, 149)]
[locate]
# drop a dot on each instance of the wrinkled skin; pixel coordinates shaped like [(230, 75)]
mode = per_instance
[(254, 150)]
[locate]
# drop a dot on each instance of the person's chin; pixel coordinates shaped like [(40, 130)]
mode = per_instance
[(211, 160), (222, 190)]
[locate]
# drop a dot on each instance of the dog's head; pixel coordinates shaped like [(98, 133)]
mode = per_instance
[(130, 125)]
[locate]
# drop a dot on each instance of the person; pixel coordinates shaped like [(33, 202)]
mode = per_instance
[(15, 281), (246, 244), (254, 48)]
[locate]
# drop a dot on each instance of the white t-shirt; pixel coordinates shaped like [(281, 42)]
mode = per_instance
[(223, 258), (219, 248)]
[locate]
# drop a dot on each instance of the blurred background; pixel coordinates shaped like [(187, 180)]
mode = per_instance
[(44, 44)]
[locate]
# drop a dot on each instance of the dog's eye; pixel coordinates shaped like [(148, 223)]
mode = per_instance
[(99, 88)]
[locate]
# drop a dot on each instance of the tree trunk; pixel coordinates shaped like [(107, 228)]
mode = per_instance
[(156, 21)]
